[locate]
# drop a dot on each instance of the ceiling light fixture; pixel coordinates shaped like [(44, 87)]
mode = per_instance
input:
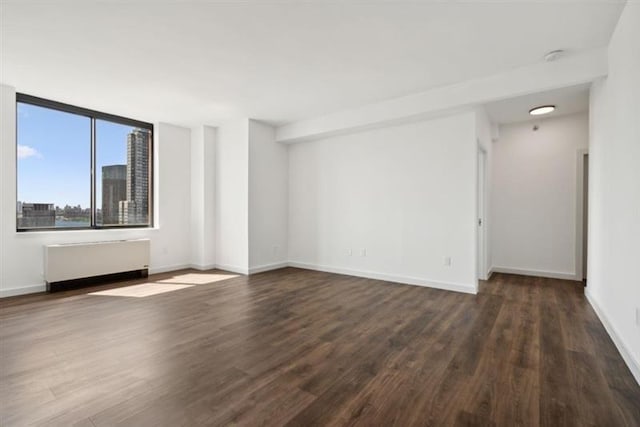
[(543, 109)]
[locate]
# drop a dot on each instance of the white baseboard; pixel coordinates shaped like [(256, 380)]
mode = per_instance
[(536, 273), (169, 268), (233, 269), (4, 293), (456, 287), (268, 267), (634, 365), (33, 289), (202, 267)]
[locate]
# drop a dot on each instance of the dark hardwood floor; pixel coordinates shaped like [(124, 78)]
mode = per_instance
[(302, 348)]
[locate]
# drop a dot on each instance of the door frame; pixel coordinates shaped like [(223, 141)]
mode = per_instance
[(481, 213), (580, 190)]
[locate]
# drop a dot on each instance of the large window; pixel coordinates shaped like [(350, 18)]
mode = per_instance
[(79, 168)]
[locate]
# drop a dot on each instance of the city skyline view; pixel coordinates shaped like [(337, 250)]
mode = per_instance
[(54, 149), (54, 170)]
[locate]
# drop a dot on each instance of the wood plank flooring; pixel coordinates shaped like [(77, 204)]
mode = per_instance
[(302, 348)]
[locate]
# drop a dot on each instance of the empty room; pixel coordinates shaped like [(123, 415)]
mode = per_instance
[(319, 213)]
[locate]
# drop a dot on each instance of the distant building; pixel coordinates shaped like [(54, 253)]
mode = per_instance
[(114, 190), (126, 211), (136, 208), (36, 215)]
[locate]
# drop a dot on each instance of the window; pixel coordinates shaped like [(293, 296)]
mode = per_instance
[(122, 160), (81, 169)]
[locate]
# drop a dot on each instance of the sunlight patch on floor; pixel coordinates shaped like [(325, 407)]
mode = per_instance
[(198, 278), (141, 291)]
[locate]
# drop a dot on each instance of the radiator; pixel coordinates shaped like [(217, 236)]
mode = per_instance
[(71, 265)]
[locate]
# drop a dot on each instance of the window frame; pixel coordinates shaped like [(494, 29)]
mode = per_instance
[(93, 116)]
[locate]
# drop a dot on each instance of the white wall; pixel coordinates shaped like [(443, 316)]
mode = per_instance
[(232, 196), (203, 140), (614, 191), (404, 194), (535, 186), (268, 198), (485, 143), (21, 268), (251, 186)]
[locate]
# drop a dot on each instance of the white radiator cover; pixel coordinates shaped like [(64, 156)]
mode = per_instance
[(80, 260)]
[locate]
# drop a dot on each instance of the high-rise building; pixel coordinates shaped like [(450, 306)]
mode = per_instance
[(136, 210), (36, 215), (114, 190), (125, 208)]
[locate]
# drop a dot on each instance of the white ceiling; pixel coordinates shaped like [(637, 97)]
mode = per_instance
[(567, 101), (191, 62)]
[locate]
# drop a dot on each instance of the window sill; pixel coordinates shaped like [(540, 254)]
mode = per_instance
[(114, 231)]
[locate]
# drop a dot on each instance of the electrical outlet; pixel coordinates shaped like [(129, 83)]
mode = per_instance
[(637, 316), (349, 252), (447, 261), (363, 252)]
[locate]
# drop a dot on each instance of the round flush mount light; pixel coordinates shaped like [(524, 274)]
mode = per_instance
[(543, 109)]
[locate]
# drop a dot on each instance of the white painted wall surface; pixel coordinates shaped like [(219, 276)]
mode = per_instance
[(232, 196), (203, 140), (268, 198), (534, 196), (406, 195), (484, 139), (613, 285), (21, 256)]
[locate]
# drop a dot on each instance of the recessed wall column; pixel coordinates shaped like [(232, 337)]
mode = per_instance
[(203, 145)]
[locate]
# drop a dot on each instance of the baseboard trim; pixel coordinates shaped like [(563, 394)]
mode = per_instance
[(268, 267), (33, 289), (632, 364), (202, 267), (233, 269), (455, 287), (168, 269), (5, 293), (535, 273)]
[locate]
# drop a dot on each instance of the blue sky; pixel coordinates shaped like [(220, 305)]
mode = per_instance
[(54, 150)]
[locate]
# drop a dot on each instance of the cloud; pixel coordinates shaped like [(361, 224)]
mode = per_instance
[(24, 151)]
